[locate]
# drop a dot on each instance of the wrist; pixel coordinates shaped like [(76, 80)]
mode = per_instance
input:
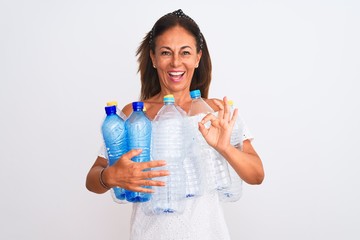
[(226, 151), (102, 180)]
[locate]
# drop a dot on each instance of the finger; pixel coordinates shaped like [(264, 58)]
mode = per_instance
[(152, 164), (234, 117), (144, 185), (203, 129), (215, 122), (208, 117), (132, 153), (153, 174), (221, 108), (140, 189), (235, 114), (226, 109), (149, 182)]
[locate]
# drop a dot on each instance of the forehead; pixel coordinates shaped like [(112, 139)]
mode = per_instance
[(175, 36)]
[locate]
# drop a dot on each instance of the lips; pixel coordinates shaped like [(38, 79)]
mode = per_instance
[(176, 76)]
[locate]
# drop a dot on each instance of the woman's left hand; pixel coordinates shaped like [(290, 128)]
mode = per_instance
[(219, 132)]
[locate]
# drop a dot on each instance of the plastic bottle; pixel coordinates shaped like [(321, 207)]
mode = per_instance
[(168, 144), (114, 135), (138, 130), (215, 166), (234, 192), (118, 111), (193, 176)]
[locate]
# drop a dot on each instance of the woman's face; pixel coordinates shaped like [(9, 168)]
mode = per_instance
[(175, 59)]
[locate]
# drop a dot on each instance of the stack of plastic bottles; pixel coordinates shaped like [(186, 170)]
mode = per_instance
[(173, 135)]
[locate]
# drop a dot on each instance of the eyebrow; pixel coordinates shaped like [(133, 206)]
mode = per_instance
[(168, 48)]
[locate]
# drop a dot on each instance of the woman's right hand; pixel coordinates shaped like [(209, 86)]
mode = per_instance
[(131, 175)]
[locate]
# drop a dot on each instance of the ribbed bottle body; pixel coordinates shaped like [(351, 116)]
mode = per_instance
[(234, 192), (194, 171), (138, 130), (237, 133), (216, 169), (168, 144), (114, 135)]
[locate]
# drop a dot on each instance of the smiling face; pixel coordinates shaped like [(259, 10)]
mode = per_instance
[(175, 59)]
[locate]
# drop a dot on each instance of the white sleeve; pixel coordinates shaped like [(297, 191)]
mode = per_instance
[(102, 152), (246, 133), (122, 115)]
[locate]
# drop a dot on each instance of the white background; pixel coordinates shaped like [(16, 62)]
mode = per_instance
[(292, 68)]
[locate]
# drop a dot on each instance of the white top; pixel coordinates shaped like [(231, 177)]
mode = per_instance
[(203, 217)]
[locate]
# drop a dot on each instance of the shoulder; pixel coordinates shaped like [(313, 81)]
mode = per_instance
[(127, 110), (212, 103), (151, 106)]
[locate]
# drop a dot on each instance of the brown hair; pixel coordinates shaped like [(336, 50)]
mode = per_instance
[(150, 85)]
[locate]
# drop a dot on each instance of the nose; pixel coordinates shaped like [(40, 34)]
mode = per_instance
[(176, 60)]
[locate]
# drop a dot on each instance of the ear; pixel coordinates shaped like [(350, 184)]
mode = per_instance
[(199, 54), (152, 56)]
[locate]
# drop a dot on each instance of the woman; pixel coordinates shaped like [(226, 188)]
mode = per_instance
[(174, 59)]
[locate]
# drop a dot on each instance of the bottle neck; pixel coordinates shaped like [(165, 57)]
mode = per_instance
[(196, 98)]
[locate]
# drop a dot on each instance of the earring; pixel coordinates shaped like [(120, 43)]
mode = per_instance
[(154, 66)]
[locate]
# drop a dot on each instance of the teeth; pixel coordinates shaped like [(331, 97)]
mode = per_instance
[(176, 73)]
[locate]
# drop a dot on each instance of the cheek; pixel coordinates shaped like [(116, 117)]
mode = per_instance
[(191, 64), (194, 61), (162, 64), (162, 73)]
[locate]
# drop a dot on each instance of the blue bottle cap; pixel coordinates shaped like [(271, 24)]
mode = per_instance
[(138, 106), (195, 93), (110, 110)]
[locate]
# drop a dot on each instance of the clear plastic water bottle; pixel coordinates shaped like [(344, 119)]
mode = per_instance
[(114, 135), (237, 135), (168, 144), (193, 175), (234, 192), (215, 166), (138, 130)]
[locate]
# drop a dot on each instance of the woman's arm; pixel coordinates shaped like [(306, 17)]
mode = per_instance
[(125, 174), (247, 162), (93, 177)]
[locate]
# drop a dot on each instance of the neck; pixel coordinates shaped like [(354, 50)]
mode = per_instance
[(182, 98)]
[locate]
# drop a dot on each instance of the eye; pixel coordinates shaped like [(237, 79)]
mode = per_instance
[(186, 53), (165, 53)]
